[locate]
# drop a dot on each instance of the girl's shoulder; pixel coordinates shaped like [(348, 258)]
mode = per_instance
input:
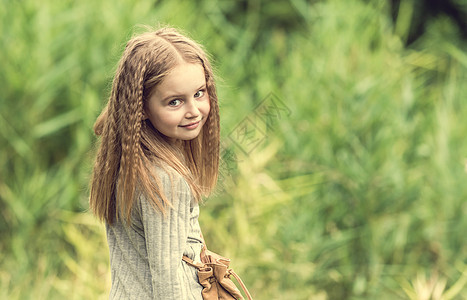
[(168, 182), (168, 176)]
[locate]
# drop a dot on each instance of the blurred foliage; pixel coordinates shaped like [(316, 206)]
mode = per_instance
[(352, 188)]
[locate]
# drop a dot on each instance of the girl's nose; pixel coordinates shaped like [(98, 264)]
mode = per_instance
[(192, 110)]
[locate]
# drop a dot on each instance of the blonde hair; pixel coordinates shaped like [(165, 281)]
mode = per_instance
[(130, 146)]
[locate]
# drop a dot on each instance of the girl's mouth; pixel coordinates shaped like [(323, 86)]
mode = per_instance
[(193, 125)]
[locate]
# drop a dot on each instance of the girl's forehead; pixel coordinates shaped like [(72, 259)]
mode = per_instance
[(181, 79)]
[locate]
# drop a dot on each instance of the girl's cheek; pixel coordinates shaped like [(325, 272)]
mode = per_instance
[(208, 105)]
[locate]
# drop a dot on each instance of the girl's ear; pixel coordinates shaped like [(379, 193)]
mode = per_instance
[(145, 115)]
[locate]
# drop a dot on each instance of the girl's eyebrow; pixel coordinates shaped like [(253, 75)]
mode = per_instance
[(171, 96), (203, 86)]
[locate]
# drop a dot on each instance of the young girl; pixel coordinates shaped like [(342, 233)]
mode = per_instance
[(159, 154)]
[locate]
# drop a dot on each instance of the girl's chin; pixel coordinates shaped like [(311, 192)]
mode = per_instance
[(185, 137)]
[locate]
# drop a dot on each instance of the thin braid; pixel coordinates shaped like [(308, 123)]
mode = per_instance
[(112, 165), (136, 114), (106, 166), (212, 136), (131, 145), (125, 94)]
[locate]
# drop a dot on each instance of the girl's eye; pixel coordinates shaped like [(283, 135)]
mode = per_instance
[(199, 94), (175, 102)]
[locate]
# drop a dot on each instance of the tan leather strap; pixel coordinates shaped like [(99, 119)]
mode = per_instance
[(239, 280), (192, 263)]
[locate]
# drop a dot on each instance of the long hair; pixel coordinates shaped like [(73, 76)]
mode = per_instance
[(131, 147)]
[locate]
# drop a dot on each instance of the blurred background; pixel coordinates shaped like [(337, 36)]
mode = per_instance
[(343, 143)]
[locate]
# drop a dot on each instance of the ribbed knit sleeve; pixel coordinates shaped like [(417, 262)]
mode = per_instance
[(166, 238)]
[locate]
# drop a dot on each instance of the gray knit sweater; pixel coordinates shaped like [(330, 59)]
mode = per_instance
[(146, 256)]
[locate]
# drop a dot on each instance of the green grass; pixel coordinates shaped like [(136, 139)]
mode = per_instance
[(356, 190)]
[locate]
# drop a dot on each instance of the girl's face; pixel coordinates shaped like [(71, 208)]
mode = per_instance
[(179, 106)]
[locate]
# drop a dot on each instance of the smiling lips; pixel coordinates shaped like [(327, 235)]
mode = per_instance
[(191, 125)]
